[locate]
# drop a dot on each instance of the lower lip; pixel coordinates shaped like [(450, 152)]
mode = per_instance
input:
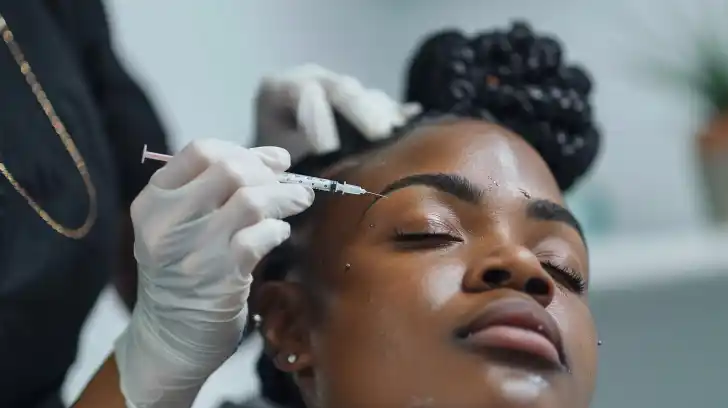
[(515, 338)]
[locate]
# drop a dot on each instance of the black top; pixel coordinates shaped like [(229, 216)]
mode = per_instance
[(48, 283)]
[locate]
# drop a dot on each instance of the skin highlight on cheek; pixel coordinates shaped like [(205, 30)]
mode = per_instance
[(442, 285)]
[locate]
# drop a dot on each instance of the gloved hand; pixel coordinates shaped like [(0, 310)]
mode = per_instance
[(295, 110), (201, 225)]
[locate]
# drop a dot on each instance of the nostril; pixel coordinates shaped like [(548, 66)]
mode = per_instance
[(537, 286), (496, 276)]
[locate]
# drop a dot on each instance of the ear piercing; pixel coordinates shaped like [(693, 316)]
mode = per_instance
[(292, 358), (599, 343)]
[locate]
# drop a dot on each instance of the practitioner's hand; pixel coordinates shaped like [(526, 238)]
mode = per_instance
[(201, 225), (295, 110)]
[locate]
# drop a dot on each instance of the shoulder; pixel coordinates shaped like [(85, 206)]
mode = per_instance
[(84, 20)]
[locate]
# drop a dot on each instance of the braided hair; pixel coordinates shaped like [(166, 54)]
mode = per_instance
[(515, 79)]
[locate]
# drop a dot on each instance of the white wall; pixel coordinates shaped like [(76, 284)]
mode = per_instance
[(664, 346), (202, 61)]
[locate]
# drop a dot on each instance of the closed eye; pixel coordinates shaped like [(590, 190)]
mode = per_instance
[(566, 276), (424, 240)]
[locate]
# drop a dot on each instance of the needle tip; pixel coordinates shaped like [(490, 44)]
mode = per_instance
[(377, 195)]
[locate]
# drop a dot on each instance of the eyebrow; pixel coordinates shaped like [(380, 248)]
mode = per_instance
[(464, 190), (545, 210), (452, 184)]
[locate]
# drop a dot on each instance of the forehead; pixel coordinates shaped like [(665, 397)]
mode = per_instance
[(488, 155)]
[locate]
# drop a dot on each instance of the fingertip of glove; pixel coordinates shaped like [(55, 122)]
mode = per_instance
[(411, 109), (309, 194), (266, 234), (277, 158), (281, 228), (285, 228), (301, 194)]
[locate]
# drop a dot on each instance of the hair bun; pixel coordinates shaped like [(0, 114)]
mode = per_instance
[(518, 79)]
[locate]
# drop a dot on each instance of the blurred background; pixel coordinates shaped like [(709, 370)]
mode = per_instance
[(652, 207)]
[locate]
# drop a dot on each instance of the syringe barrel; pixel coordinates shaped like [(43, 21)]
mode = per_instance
[(321, 184), (313, 182)]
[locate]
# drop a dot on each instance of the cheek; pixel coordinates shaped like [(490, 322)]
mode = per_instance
[(558, 309), (579, 332), (387, 302), (440, 286), (364, 350), (422, 284), (572, 316)]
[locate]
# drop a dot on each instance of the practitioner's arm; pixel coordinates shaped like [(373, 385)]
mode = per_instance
[(198, 238), (103, 390)]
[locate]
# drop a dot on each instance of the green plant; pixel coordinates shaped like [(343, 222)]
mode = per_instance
[(706, 72)]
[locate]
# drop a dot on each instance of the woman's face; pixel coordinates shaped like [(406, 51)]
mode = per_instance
[(461, 288)]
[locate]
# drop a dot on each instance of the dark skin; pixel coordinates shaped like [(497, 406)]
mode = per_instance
[(371, 316)]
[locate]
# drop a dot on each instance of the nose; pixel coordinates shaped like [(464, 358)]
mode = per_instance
[(511, 267)]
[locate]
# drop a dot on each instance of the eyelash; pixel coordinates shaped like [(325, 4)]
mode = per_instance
[(573, 280), (425, 240)]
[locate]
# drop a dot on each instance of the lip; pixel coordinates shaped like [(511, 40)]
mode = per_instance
[(516, 325)]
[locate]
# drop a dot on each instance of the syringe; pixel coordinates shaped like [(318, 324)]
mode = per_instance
[(315, 183)]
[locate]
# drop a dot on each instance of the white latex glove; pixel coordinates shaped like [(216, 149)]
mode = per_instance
[(295, 110), (201, 225)]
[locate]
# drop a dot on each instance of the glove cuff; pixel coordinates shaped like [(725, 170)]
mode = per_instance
[(159, 373)]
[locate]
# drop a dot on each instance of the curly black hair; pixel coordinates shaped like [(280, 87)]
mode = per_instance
[(513, 78)]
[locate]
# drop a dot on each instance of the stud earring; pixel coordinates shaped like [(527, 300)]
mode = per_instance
[(258, 320), (599, 343), (291, 358)]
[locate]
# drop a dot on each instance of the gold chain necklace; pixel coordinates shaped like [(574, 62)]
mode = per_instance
[(60, 129)]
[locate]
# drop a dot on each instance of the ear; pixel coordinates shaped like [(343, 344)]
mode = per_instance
[(285, 327)]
